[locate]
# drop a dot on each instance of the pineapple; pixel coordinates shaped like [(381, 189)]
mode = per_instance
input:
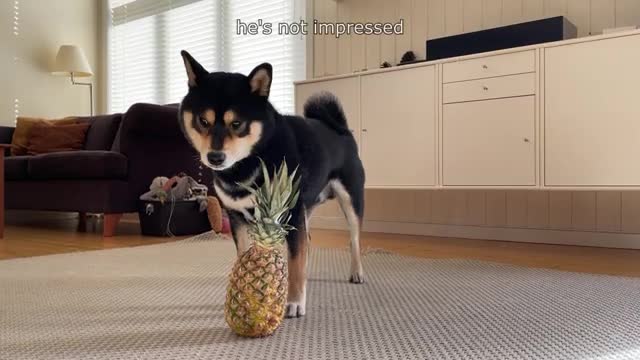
[(257, 291)]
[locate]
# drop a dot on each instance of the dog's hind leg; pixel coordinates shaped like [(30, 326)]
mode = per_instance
[(351, 200), (298, 243)]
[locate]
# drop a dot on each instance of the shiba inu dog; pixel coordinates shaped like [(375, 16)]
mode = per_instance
[(229, 120)]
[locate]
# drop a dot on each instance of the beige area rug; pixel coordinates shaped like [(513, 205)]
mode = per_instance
[(166, 302)]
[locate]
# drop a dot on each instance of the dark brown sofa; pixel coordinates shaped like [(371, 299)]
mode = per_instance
[(121, 156)]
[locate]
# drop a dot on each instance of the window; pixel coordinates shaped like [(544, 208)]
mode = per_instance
[(146, 37)]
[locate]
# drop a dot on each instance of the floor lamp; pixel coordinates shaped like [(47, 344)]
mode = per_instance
[(71, 61)]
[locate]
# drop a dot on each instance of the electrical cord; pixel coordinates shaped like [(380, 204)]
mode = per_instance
[(173, 204)]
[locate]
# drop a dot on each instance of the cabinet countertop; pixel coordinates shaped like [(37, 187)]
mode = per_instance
[(473, 56)]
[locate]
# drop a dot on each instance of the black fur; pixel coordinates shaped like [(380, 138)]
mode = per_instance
[(320, 144), (325, 107)]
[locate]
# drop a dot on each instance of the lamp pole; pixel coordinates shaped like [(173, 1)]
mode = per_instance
[(90, 85)]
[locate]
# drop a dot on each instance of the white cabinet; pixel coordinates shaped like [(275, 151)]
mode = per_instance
[(592, 113), (489, 143), (489, 121), (398, 143), (347, 90), (556, 115)]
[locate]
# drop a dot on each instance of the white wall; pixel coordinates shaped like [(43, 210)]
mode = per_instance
[(426, 19), (28, 55)]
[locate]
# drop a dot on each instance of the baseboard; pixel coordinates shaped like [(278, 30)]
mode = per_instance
[(542, 236)]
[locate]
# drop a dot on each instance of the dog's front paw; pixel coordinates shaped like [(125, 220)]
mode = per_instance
[(356, 277), (296, 300), (295, 309)]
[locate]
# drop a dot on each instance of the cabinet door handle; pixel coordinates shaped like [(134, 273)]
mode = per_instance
[(485, 88), (526, 140), (485, 67), (364, 130)]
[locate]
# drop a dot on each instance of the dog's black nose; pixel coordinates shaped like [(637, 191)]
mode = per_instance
[(216, 157)]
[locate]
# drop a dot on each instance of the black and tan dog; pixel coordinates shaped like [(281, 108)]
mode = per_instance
[(228, 119)]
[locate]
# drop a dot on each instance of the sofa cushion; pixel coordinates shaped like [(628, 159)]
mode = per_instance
[(20, 139), (15, 167), (83, 164), (102, 132), (45, 138)]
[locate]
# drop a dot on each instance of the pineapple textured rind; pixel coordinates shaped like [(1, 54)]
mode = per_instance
[(257, 292), (258, 284)]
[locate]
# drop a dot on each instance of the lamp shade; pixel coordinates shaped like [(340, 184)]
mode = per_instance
[(71, 60)]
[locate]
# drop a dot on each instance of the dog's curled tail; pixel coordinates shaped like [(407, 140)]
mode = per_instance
[(325, 106)]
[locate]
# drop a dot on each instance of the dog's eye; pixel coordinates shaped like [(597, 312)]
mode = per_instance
[(235, 125), (203, 122)]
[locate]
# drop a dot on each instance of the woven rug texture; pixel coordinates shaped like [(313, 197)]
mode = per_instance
[(167, 301)]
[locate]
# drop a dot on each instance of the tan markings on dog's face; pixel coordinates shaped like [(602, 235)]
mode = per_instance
[(236, 125), (229, 116), (210, 116), (237, 148), (198, 140), (237, 144)]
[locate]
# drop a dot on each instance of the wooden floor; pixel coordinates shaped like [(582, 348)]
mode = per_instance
[(36, 234)]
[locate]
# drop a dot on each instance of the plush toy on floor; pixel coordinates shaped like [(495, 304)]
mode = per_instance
[(214, 212), (183, 187)]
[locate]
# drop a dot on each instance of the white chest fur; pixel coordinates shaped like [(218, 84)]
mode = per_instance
[(241, 204), (238, 204)]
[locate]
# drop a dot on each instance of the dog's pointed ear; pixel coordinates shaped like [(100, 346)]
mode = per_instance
[(195, 71), (260, 79)]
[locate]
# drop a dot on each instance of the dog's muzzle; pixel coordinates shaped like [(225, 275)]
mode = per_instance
[(216, 158)]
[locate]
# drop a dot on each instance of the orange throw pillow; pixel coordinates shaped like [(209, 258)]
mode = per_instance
[(46, 138), (20, 138)]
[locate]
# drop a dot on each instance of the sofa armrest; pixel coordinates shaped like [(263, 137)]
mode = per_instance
[(151, 139), (6, 134)]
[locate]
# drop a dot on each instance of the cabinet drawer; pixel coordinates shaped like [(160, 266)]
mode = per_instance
[(492, 88), (489, 143), (490, 66)]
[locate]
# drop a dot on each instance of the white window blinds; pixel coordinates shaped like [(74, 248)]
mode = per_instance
[(284, 52), (146, 37)]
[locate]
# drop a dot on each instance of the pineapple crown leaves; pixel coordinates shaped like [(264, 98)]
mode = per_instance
[(273, 202)]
